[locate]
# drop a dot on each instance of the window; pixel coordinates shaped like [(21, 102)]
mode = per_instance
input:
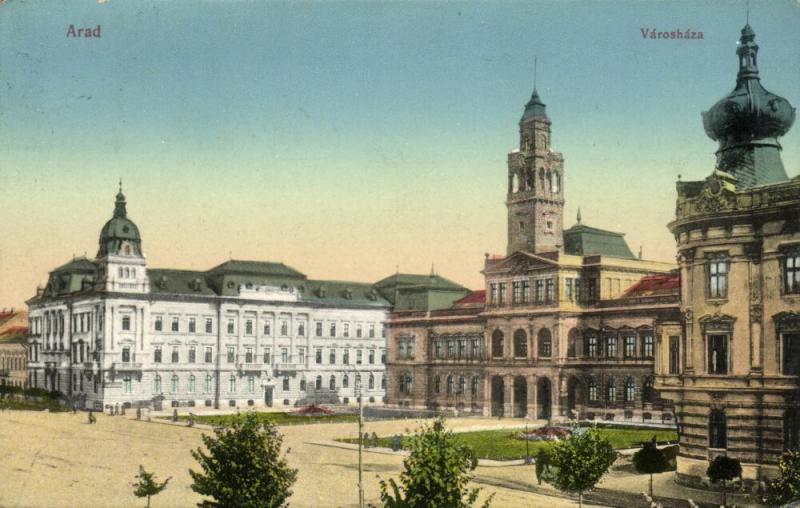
[(718, 276), (208, 354), (568, 289), (126, 384), (449, 385), (302, 385), (173, 388), (318, 383), (497, 344), (549, 290), (516, 292), (630, 390), (717, 430), (126, 323), (157, 354), (208, 384), (333, 329), (383, 356), (371, 382), (175, 324), (284, 328), (359, 357), (318, 329), (630, 346), (346, 357), (192, 380), (493, 288), (301, 355), (332, 383), (520, 343), (157, 384), (192, 354), (647, 344), (359, 330), (673, 354), (285, 384), (284, 355), (209, 325), (539, 291), (267, 356), (232, 383), (301, 329), (231, 354), (592, 390), (371, 356), (174, 356), (791, 354), (438, 348), (267, 328), (192, 325), (591, 290), (462, 383), (159, 324), (545, 343), (474, 385), (791, 272), (451, 348), (251, 383), (611, 391), (437, 384), (717, 354), (372, 331), (611, 346), (248, 327), (791, 429), (231, 326), (332, 356), (345, 381), (501, 295), (126, 354), (346, 331), (476, 348), (318, 356), (248, 355)]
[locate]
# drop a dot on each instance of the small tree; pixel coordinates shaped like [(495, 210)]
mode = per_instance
[(785, 488), (542, 464), (724, 469), (435, 473), (580, 461), (147, 486), (243, 466), (650, 460)]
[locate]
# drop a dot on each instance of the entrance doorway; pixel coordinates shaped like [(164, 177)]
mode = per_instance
[(268, 396), (574, 396), (497, 396), (543, 397), (520, 397)]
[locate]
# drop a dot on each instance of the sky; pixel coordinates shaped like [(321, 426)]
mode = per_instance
[(353, 139)]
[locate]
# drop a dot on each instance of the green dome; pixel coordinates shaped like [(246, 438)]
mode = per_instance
[(120, 231), (535, 108)]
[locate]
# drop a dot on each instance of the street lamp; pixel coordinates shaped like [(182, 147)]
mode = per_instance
[(360, 440)]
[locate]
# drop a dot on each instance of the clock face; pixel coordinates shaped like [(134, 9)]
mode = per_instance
[(715, 186)]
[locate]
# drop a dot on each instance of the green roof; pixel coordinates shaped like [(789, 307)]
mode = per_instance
[(261, 268), (81, 265), (422, 281), (582, 240), (341, 293), (186, 282)]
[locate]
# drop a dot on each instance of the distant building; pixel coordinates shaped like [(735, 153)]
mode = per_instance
[(566, 325), (13, 351), (734, 379), (112, 330)]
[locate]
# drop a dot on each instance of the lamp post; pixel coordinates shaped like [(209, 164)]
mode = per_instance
[(360, 440)]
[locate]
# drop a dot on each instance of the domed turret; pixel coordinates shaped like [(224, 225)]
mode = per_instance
[(748, 121), (120, 236), (535, 108)]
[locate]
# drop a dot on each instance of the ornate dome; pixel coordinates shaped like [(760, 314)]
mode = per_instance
[(535, 108), (120, 232), (749, 114)]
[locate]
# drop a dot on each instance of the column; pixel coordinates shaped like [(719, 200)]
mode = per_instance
[(508, 396), (487, 394), (753, 251), (532, 397)]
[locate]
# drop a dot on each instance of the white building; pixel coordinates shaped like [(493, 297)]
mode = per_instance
[(113, 331)]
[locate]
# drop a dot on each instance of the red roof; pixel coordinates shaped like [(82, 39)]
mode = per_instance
[(477, 297), (650, 285), (15, 330)]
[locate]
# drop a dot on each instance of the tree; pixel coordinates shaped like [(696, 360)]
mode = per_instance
[(579, 462), (724, 469), (244, 466), (542, 464), (435, 473), (650, 460), (147, 486), (785, 488)]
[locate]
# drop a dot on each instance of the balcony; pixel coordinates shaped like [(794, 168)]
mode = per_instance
[(288, 367), (251, 367), (126, 366)]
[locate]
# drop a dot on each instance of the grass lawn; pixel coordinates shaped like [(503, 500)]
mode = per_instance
[(275, 418), (503, 445), (31, 405)]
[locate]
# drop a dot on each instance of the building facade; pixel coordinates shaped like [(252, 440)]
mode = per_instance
[(113, 331), (734, 379), (566, 326), (13, 350)]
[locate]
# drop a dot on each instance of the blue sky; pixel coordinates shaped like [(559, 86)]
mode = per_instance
[(347, 138)]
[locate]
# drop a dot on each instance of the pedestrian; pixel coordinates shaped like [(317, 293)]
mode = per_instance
[(138, 413), (191, 420), (174, 415), (116, 408), (374, 439), (91, 417)]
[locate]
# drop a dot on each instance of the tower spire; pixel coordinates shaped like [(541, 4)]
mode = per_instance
[(579, 215), (535, 64)]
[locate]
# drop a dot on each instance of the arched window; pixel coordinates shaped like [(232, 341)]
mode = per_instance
[(648, 393), (133, 272), (332, 383), (531, 179), (573, 339), (462, 383), (191, 383), (514, 182), (475, 384), (174, 385), (302, 385), (318, 383), (630, 390), (611, 391), (232, 383), (549, 180), (157, 384), (592, 384), (541, 179), (449, 385), (556, 181), (121, 273), (383, 382), (437, 384), (371, 382), (497, 344), (127, 273), (520, 343), (345, 381), (207, 387), (717, 430), (545, 343)]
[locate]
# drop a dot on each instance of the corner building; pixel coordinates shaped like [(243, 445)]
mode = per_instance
[(734, 379), (568, 321), (112, 331)]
